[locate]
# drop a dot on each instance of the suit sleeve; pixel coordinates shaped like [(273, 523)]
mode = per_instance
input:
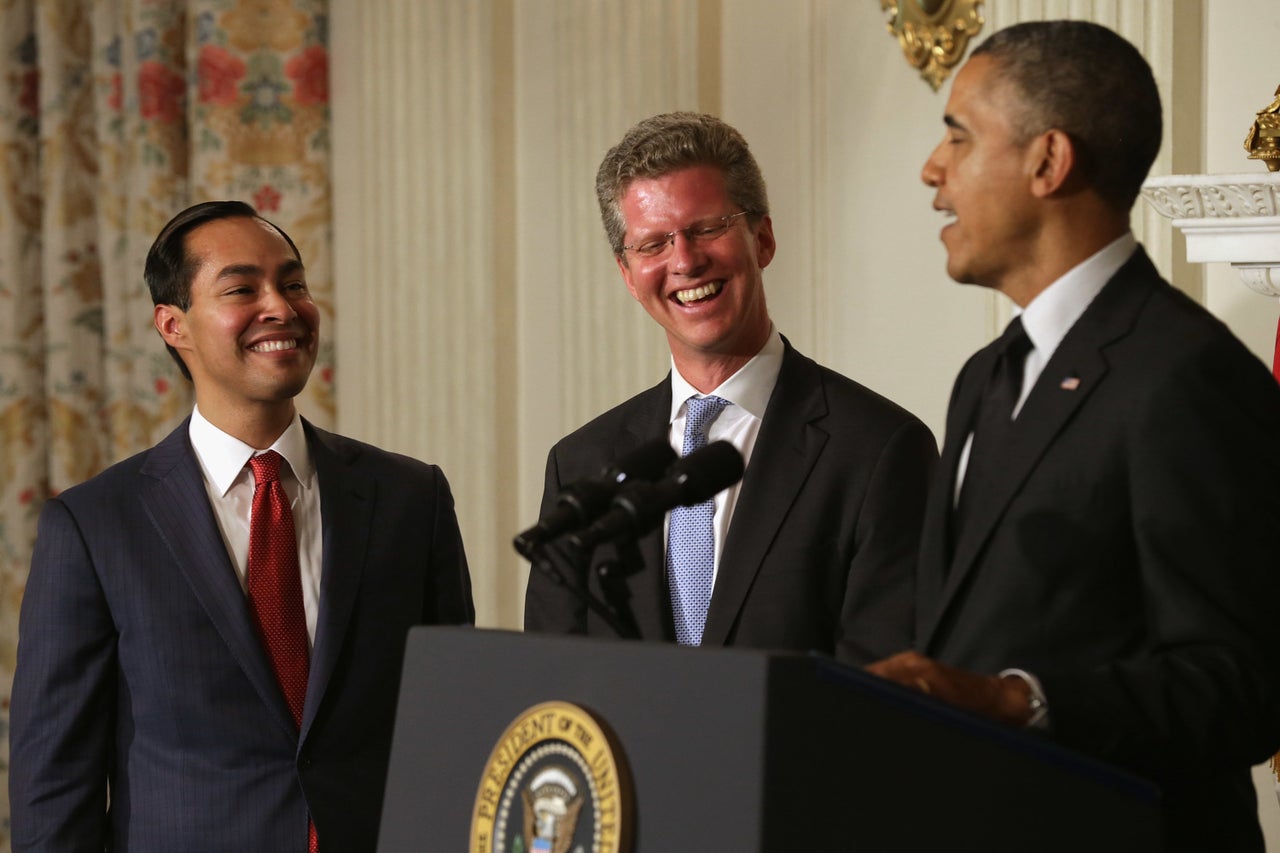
[(450, 600), (548, 606), (63, 704), (1200, 690), (877, 616)]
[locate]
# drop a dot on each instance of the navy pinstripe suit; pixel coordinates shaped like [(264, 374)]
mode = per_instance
[(140, 678)]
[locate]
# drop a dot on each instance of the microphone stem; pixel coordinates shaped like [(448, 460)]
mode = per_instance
[(542, 563)]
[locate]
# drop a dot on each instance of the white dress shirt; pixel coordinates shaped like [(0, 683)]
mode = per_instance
[(228, 480), (748, 392)]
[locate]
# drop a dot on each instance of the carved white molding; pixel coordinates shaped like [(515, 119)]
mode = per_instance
[(1214, 196), (1229, 218), (1260, 278)]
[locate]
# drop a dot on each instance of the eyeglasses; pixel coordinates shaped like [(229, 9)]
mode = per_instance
[(700, 233)]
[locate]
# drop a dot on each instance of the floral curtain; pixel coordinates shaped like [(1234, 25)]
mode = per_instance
[(114, 115)]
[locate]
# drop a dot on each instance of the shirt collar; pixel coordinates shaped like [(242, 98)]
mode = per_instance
[(1049, 316), (749, 388), (222, 457)]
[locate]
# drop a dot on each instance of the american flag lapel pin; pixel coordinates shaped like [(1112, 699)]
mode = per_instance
[(1071, 383)]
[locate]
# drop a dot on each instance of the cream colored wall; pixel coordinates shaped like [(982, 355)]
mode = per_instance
[(1241, 75), (466, 136), (480, 316)]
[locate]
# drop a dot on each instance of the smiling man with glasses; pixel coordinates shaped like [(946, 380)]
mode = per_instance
[(815, 548)]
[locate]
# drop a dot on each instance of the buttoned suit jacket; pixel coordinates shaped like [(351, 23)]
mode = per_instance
[(821, 549), (140, 674), (1127, 556)]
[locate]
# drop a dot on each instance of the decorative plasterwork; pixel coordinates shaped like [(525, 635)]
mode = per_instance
[(1231, 218), (1214, 196), (1260, 278), (933, 33), (1263, 140)]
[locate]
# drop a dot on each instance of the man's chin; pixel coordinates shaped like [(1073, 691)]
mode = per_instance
[(961, 274), (287, 388)]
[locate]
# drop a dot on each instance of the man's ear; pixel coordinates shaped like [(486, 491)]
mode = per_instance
[(766, 245), (1052, 156), (170, 322)]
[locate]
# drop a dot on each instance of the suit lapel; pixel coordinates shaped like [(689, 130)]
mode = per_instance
[(786, 450), (1078, 367), (1047, 410), (347, 498), (174, 498), (650, 604), (936, 538)]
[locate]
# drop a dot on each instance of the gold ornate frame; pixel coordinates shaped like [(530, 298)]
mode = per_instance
[(933, 33)]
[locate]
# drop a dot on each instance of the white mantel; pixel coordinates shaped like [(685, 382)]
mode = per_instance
[(1231, 218)]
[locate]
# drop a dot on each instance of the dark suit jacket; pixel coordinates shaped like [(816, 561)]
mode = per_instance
[(139, 667), (821, 550), (1130, 560)]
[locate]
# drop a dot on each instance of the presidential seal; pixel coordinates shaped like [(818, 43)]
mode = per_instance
[(555, 783)]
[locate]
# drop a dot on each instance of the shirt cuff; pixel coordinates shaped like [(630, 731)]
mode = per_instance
[(1036, 701)]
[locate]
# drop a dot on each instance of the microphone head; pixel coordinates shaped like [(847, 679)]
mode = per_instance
[(646, 462), (583, 501), (705, 472), (640, 505)]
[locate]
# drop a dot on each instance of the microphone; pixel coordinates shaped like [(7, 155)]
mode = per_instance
[(639, 507), (581, 502)]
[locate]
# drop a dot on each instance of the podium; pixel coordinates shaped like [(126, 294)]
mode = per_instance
[(750, 752)]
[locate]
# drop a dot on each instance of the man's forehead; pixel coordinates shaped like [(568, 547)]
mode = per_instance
[(251, 270), (235, 235), (235, 246), (692, 184), (979, 88)]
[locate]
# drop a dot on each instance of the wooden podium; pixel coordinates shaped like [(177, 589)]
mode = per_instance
[(748, 752)]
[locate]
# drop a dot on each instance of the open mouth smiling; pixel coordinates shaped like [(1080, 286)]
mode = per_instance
[(698, 294), (275, 346)]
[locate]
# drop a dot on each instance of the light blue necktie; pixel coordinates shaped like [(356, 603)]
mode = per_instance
[(691, 536)]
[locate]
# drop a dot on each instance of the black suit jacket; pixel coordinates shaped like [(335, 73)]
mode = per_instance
[(1130, 558), (139, 666), (821, 550)]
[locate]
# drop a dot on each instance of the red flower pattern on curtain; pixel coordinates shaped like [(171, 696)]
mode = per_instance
[(110, 125)]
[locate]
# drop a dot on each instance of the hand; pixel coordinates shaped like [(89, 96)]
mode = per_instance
[(1005, 700)]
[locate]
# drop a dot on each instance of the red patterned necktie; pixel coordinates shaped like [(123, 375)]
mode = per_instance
[(275, 589)]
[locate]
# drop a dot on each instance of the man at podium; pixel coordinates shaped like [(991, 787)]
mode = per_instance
[(815, 548), (1099, 552)]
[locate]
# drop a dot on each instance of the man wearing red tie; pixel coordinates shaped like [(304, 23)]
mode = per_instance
[(212, 631)]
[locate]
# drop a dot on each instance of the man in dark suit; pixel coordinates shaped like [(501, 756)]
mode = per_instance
[(1099, 552), (815, 549), (147, 709)]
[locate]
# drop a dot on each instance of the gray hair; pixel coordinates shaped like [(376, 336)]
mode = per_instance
[(667, 143)]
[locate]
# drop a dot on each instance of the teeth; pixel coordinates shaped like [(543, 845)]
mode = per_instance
[(274, 346), (696, 293)]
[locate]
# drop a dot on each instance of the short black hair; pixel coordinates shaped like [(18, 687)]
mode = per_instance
[(169, 269), (1089, 82)]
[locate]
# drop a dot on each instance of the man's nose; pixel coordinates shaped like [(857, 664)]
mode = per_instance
[(687, 255), (932, 172), (275, 305)]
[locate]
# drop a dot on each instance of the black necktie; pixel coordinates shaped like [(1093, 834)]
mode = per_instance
[(994, 422)]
